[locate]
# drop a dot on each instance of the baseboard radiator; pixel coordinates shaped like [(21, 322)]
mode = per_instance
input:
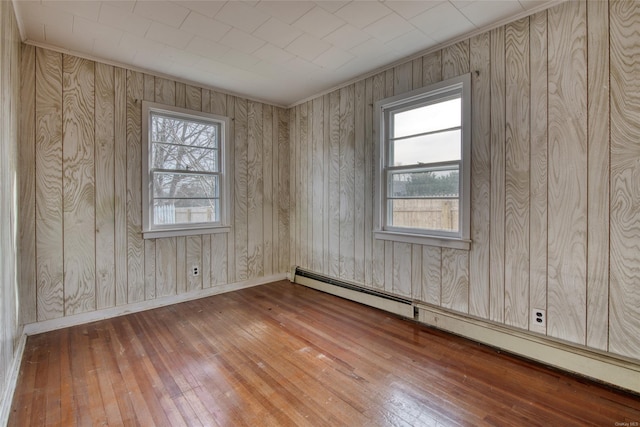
[(353, 292), (600, 366)]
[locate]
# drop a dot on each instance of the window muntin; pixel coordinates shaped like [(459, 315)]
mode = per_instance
[(424, 162), (184, 171)]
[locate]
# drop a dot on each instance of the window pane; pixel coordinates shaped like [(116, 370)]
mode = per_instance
[(185, 132), (428, 118), (176, 185), (168, 156), (441, 183), (430, 214), (438, 147), (185, 211)]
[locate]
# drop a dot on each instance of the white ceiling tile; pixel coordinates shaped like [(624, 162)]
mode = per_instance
[(460, 4), (369, 48), (333, 58), (410, 43), (86, 28), (319, 22), (168, 35), (61, 37), (388, 28), (308, 47), (332, 6), (113, 52), (162, 11), (485, 12), (34, 31), (242, 16), (206, 8), (119, 18), (530, 4), (277, 32), (181, 56), (124, 5), (410, 8), (206, 48), (36, 12), (444, 34), (362, 13), (286, 11), (242, 41), (130, 41), (239, 59), (205, 27), (442, 18), (86, 9), (273, 54), (347, 37)]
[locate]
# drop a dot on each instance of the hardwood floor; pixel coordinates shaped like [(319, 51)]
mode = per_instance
[(282, 354)]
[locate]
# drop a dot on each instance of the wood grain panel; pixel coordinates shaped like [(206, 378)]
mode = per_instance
[(598, 175), (317, 195), (416, 74), (455, 263), (135, 244), (104, 185), (150, 269), (416, 272), (120, 185), (308, 186), (27, 185), (377, 258), (49, 241), (255, 266), (455, 60), (268, 166), (347, 198), (194, 259), (302, 195), (567, 204), (517, 133), (624, 297), (284, 214), (219, 242), (294, 155), (455, 280), (165, 91), (326, 128), (231, 151), (402, 258), (402, 78), (334, 184), (166, 267), (388, 266), (150, 247), (369, 148), (432, 68), (181, 95), (78, 169), (193, 98), (431, 275), (359, 183), (480, 174), (182, 274), (240, 198), (538, 177), (496, 232)]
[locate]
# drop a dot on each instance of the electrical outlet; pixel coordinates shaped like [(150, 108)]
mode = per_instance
[(195, 270), (539, 319)]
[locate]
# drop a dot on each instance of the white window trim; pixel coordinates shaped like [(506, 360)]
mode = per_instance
[(424, 237), (225, 167)]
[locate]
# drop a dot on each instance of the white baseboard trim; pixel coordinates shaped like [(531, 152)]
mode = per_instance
[(12, 381), (599, 366), (107, 313), (392, 306)]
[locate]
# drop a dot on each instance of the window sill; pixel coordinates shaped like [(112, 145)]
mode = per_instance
[(177, 232), (443, 242)]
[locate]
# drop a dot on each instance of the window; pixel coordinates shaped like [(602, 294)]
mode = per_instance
[(185, 188), (423, 179)]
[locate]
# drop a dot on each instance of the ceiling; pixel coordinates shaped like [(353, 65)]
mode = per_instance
[(277, 51)]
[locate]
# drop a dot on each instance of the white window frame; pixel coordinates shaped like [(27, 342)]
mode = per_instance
[(151, 231), (382, 110)]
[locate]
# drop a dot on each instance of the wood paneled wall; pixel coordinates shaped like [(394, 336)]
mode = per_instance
[(81, 190), (9, 109), (555, 205)]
